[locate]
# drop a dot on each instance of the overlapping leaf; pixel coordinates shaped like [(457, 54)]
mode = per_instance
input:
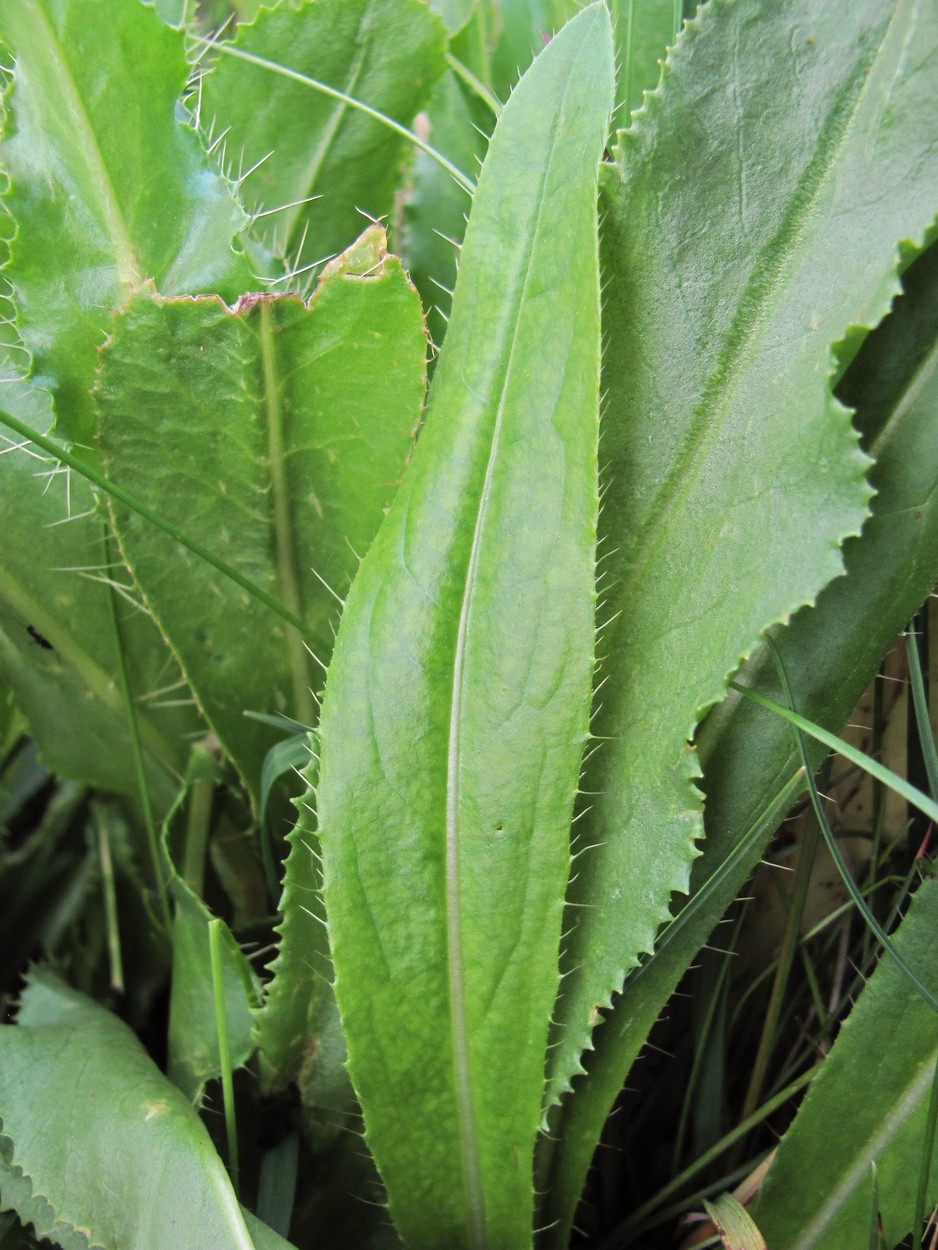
[(98, 1147), (106, 181), (830, 652), (60, 650), (875, 1086), (297, 421), (753, 214), (457, 702), (386, 53)]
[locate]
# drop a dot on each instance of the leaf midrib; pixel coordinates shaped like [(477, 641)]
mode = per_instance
[(868, 1150), (463, 1076), (748, 323)]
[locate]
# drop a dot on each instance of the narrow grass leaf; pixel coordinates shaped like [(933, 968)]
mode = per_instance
[(875, 1086), (104, 178), (301, 417), (387, 53), (457, 702), (747, 226)]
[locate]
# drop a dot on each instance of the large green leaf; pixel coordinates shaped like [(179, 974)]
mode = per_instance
[(456, 706), (875, 1087), (750, 218), (279, 429), (106, 181), (98, 1147), (386, 53), (830, 652)]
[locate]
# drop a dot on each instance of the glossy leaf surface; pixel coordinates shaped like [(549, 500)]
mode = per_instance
[(831, 652), (874, 1086), (299, 421), (386, 53), (729, 464), (456, 706), (87, 1118), (106, 180)]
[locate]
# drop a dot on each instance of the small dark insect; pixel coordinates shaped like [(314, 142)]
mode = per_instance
[(38, 638)]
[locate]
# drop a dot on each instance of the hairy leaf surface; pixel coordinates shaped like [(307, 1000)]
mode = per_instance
[(92, 1128), (457, 701), (831, 652), (874, 1086), (386, 53), (300, 419), (753, 214), (106, 181)]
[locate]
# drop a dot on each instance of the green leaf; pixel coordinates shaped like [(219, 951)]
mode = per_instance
[(386, 53), (92, 1126), (817, 1191), (644, 31), (734, 1224), (105, 180), (742, 237), (300, 418), (435, 211), (831, 652), (58, 649), (288, 1024), (456, 706), (193, 1031)]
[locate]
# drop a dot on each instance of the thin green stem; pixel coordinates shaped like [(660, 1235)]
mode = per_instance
[(198, 820), (643, 1217), (909, 792), (224, 1052), (920, 704), (853, 889), (111, 919), (288, 582), (227, 49), (474, 83), (125, 497), (140, 772), (782, 972)]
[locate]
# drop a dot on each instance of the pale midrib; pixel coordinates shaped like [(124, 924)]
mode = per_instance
[(125, 254), (288, 584), (463, 1076), (322, 149), (867, 1152), (731, 359)]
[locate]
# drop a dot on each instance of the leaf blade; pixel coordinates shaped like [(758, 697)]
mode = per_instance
[(451, 724)]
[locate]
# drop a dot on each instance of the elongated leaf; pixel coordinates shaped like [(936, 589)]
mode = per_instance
[(58, 648), (93, 1129), (456, 707), (748, 224), (386, 53), (300, 418), (105, 180), (817, 1191), (831, 652), (287, 1025)]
